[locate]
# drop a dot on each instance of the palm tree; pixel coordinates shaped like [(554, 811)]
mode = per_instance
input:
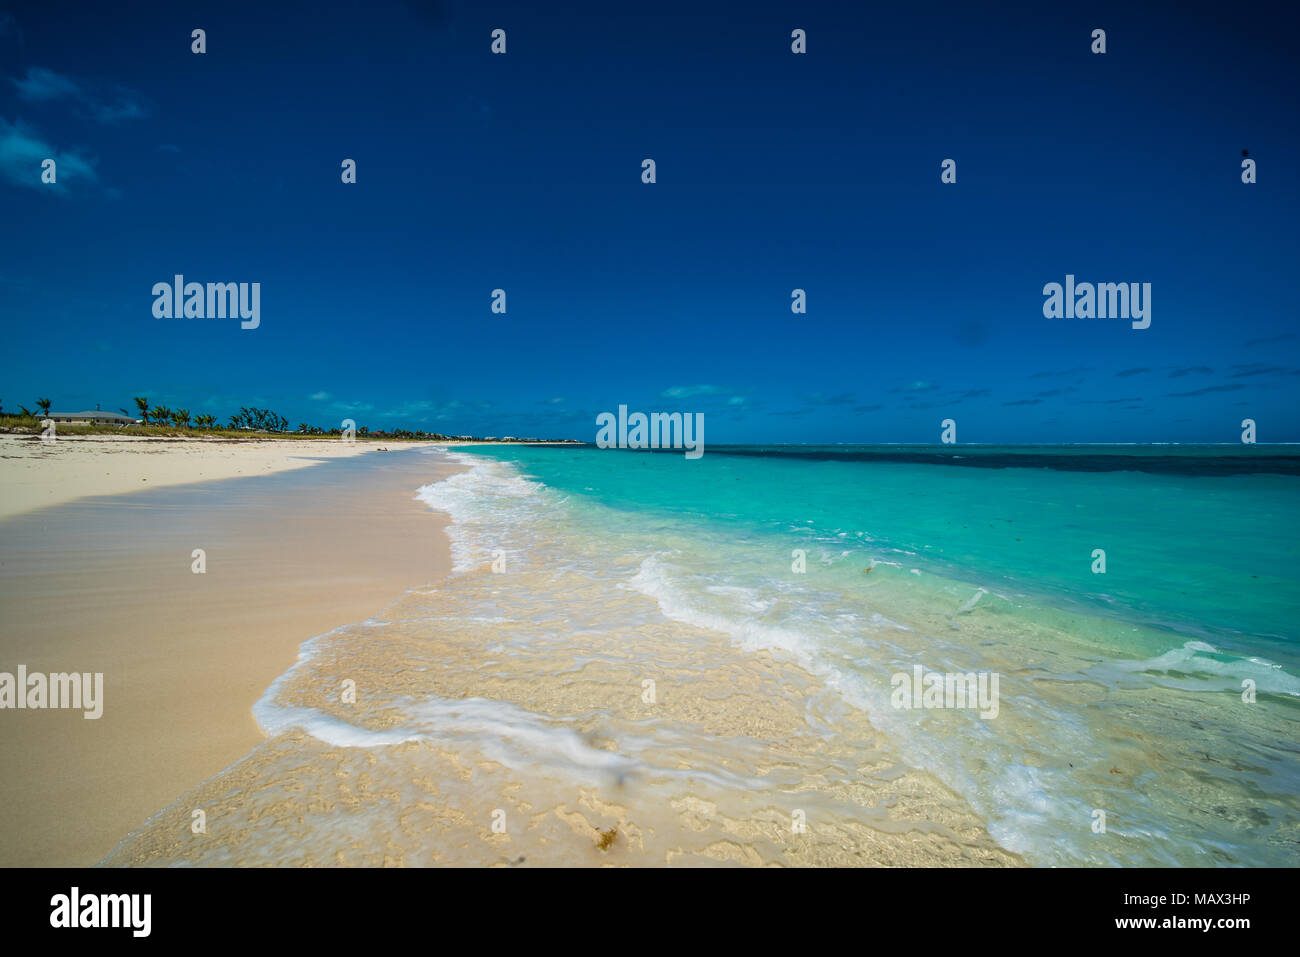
[(205, 421), (161, 414), (142, 404), (25, 412), (44, 405), (181, 418)]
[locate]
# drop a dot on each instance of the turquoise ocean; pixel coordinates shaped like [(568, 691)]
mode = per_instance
[(1149, 713)]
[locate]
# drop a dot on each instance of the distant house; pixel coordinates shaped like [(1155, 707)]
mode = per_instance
[(94, 417)]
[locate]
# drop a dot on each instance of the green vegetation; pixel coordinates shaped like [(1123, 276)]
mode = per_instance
[(259, 420), (248, 423)]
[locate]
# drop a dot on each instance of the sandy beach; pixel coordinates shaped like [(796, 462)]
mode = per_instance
[(532, 656), (341, 553), (106, 584), (36, 474)]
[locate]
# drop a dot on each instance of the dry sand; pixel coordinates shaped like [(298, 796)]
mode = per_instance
[(34, 474), (106, 585)]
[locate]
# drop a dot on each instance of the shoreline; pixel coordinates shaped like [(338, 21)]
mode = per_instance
[(37, 475), (520, 688), (105, 584), (502, 718)]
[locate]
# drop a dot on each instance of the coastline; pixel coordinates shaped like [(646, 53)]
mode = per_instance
[(619, 686), (106, 584), (37, 475), (541, 713)]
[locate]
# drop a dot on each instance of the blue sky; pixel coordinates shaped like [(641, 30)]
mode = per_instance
[(775, 172)]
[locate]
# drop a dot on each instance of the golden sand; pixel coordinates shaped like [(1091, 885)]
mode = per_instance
[(106, 585)]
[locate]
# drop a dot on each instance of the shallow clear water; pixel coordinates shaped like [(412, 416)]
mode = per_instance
[(517, 687), (1120, 691)]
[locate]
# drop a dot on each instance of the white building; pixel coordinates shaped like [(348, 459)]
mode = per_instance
[(93, 417)]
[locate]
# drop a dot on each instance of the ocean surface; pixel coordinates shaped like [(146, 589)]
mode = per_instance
[(1147, 714), (1201, 591)]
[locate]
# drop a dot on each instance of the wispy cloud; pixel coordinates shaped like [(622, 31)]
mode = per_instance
[(1047, 375), (108, 105), (319, 396), (821, 398), (1262, 370), (1266, 339), (919, 385), (40, 85), (1140, 370), (420, 411), (1208, 389), (22, 151), (689, 391)]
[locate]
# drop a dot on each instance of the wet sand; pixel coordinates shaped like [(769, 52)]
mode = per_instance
[(500, 719), (107, 585), (542, 713)]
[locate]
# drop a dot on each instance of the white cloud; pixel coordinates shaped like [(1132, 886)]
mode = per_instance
[(686, 391), (21, 154), (43, 86)]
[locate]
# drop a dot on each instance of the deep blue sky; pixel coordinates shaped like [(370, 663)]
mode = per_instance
[(775, 171)]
